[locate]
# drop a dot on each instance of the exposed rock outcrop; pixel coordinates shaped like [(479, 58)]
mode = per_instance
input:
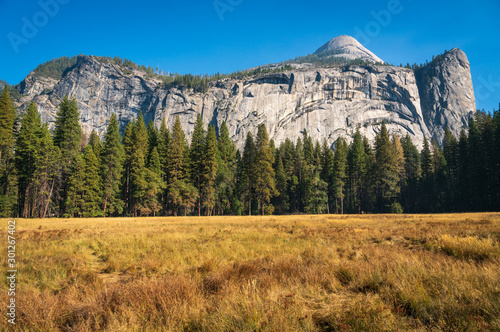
[(446, 93), (327, 102)]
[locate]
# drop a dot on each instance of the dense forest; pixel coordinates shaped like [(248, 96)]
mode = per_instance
[(149, 171)]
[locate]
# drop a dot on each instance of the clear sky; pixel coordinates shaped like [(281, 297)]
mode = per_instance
[(208, 36)]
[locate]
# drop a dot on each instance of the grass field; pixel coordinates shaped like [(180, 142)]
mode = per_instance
[(276, 273)]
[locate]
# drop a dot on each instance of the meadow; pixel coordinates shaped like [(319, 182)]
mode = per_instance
[(273, 273)]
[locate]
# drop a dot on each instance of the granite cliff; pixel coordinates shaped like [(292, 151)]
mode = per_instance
[(328, 102)]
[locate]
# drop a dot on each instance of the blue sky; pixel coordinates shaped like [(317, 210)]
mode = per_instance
[(210, 36)]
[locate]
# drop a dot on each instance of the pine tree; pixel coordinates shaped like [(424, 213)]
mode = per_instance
[(27, 150), (450, 151), (197, 155), (340, 172), (112, 168), (475, 166), (387, 172), (128, 149), (47, 175), (399, 159), (68, 138), (299, 177), (8, 179), (410, 196), (75, 196), (91, 185), (163, 152), (281, 204), (181, 193), (317, 198), (247, 172), (327, 157), (357, 171), (7, 119), (464, 190), (265, 186), (138, 182), (209, 172), (95, 142), (153, 138), (308, 149), (225, 182), (151, 201)]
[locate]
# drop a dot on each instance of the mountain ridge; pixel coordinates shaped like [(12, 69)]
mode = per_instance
[(326, 101)]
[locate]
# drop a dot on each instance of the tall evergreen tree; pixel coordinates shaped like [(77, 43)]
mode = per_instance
[(197, 155), (410, 193), (225, 182), (47, 175), (357, 171), (209, 172), (163, 152), (8, 177), (387, 171), (181, 193), (327, 157), (27, 150), (95, 142), (112, 168), (138, 182), (68, 138), (91, 185), (248, 172), (128, 147), (265, 186), (340, 172)]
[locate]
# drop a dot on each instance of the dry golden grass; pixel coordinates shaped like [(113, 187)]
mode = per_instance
[(277, 273)]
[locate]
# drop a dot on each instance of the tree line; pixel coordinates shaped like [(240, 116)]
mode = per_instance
[(150, 172)]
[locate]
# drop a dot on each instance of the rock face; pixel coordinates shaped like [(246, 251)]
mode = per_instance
[(348, 48), (446, 93), (327, 102)]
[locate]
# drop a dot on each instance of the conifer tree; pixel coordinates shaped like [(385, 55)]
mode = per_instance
[(91, 185), (225, 182), (151, 202), (282, 201), (128, 147), (95, 142), (75, 196), (68, 138), (181, 193), (26, 155), (357, 171), (8, 179), (209, 172), (299, 177), (112, 168), (265, 186), (327, 157), (410, 193), (197, 155), (248, 172), (317, 198), (47, 175), (138, 182), (387, 171), (340, 172), (163, 152)]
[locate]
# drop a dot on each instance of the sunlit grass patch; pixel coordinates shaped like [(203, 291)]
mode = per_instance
[(468, 247)]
